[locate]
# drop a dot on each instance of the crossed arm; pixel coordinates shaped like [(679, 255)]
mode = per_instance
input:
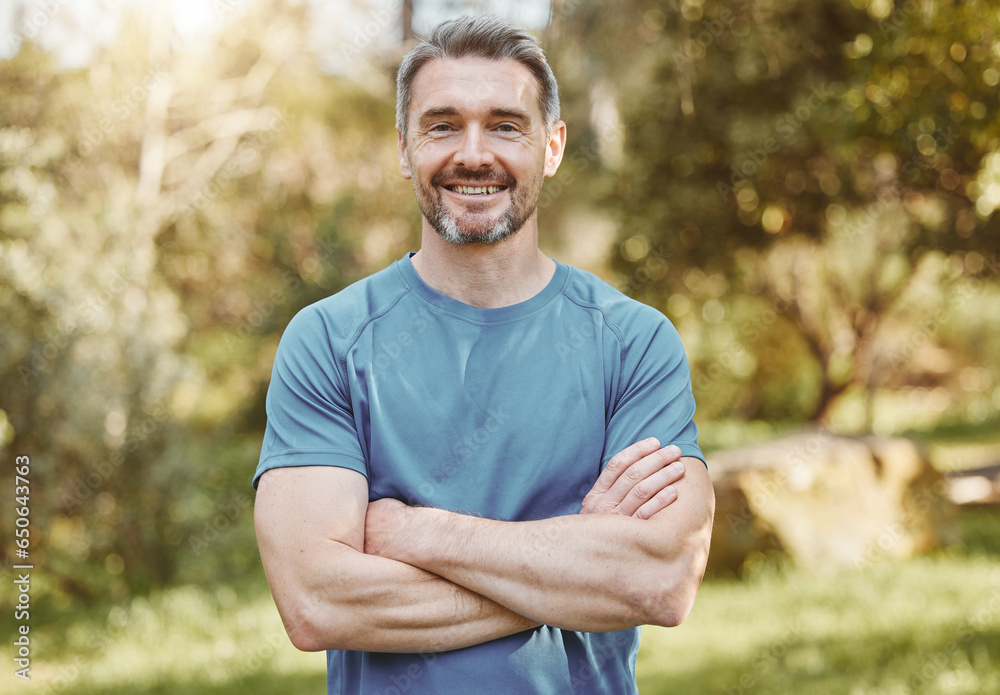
[(346, 574)]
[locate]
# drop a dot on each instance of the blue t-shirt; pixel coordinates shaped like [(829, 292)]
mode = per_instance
[(508, 413)]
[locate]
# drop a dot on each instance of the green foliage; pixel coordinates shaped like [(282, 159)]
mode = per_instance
[(829, 157), (163, 216)]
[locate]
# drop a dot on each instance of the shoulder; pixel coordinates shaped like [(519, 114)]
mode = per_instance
[(628, 318), (336, 321)]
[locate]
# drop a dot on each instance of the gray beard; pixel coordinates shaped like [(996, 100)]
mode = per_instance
[(447, 228), (510, 222)]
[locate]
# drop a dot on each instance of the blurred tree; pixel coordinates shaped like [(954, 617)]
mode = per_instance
[(164, 212), (809, 153)]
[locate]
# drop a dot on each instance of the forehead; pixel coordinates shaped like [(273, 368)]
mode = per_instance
[(472, 85)]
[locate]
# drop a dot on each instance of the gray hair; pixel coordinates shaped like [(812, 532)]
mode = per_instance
[(485, 36)]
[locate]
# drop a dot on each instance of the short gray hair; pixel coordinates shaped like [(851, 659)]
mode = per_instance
[(485, 36)]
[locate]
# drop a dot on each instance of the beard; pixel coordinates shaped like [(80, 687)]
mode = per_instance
[(473, 226)]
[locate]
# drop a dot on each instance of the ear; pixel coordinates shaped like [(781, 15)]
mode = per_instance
[(555, 148), (404, 160)]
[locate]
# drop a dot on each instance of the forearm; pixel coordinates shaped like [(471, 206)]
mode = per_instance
[(363, 602), (575, 572), (332, 596), (593, 572)]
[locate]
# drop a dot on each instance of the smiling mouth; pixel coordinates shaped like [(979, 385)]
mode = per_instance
[(476, 190)]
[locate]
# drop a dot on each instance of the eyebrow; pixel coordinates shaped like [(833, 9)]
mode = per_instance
[(515, 114), (450, 111), (438, 112)]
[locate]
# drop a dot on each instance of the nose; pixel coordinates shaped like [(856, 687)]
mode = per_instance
[(474, 150)]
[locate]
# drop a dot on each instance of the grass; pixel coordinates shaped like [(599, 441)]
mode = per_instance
[(926, 625), (930, 624), (187, 639)]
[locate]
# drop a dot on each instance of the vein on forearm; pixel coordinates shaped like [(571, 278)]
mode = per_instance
[(589, 572), (395, 607)]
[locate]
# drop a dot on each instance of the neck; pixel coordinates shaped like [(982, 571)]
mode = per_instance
[(488, 276)]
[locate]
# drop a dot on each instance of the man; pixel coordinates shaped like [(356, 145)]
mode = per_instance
[(461, 487)]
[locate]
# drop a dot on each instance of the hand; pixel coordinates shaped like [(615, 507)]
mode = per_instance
[(384, 527), (638, 481)]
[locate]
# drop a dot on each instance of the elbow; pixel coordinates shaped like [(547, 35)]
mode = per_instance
[(671, 596), (309, 627), (670, 605), (672, 611), (303, 640), (303, 631)]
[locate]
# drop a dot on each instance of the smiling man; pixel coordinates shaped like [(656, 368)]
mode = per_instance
[(450, 499)]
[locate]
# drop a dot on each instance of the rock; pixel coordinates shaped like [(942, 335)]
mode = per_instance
[(827, 501)]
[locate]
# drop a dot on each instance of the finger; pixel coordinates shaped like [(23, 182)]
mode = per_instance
[(595, 502), (638, 472), (621, 462), (652, 490), (661, 500)]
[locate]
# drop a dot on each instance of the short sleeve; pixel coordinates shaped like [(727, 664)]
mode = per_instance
[(653, 394), (309, 416)]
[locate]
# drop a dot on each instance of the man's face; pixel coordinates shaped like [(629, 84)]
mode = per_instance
[(477, 148)]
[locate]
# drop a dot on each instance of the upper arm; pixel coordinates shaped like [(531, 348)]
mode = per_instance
[(685, 526), (306, 517), (310, 418), (682, 534), (653, 396), (695, 503), (299, 505)]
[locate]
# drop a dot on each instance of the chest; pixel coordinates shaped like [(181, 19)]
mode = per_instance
[(505, 421)]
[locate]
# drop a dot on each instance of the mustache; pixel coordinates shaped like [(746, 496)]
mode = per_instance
[(479, 175)]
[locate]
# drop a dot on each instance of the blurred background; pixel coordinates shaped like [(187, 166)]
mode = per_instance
[(808, 189)]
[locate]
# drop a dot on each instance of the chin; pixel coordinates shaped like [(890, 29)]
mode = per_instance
[(454, 234)]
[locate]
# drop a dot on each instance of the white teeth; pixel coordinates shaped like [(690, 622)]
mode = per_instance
[(476, 190)]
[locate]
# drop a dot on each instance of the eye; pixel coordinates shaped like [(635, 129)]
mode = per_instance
[(507, 128), (440, 128)]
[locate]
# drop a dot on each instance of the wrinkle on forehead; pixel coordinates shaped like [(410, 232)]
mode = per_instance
[(474, 86)]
